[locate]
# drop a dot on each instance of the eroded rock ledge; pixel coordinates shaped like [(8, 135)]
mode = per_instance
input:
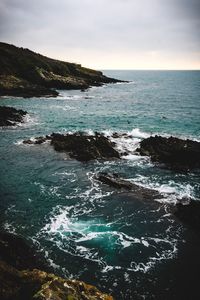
[(174, 153), (19, 278), (10, 116), (139, 192)]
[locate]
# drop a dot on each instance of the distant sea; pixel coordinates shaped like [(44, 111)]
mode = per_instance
[(90, 231)]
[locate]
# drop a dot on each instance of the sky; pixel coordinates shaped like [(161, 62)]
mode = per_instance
[(107, 34)]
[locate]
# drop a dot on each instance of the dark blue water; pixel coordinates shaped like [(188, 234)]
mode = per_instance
[(89, 231)]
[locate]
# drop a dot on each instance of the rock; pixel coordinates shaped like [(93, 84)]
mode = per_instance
[(37, 284), (136, 191), (189, 213), (175, 153), (15, 251), (9, 116), (85, 147), (21, 278), (114, 180), (14, 86), (37, 141), (80, 146), (25, 73)]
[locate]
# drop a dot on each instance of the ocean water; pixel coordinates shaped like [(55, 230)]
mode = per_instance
[(90, 231)]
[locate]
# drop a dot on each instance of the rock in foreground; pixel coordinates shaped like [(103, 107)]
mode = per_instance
[(175, 153), (37, 284), (9, 116), (19, 278), (81, 146)]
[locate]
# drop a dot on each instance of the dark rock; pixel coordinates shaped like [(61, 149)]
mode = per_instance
[(80, 146), (38, 140), (84, 147), (37, 284), (114, 180), (117, 135), (15, 251), (19, 278), (189, 213), (9, 116), (27, 74), (175, 153), (136, 191)]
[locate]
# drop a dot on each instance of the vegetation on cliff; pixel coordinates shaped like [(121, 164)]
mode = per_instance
[(21, 278), (26, 73)]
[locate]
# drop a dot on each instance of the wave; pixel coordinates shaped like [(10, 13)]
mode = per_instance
[(171, 191), (27, 122), (82, 238)]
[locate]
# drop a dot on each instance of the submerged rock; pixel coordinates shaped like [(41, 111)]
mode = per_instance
[(189, 213), (175, 153), (9, 116), (138, 192), (80, 146), (19, 278)]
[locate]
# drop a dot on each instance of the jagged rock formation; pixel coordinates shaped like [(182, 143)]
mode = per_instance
[(19, 278), (9, 116), (27, 74), (174, 153), (81, 146)]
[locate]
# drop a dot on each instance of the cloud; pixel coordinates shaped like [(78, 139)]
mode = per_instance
[(83, 30)]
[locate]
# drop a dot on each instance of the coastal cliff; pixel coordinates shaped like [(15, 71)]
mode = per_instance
[(25, 73), (21, 276)]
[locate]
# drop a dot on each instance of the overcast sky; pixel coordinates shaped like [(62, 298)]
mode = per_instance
[(107, 34)]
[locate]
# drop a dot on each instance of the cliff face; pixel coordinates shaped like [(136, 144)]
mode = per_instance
[(26, 73)]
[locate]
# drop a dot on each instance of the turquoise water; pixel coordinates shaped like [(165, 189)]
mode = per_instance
[(87, 230)]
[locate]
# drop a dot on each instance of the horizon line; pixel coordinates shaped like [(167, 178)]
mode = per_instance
[(149, 69)]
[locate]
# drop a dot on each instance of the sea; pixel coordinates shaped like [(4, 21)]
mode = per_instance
[(85, 229)]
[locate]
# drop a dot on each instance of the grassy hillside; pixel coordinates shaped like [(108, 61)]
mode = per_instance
[(28, 71)]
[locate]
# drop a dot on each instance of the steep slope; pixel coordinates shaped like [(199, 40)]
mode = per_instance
[(26, 73)]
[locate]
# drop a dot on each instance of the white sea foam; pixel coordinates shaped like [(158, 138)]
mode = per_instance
[(136, 132), (171, 191)]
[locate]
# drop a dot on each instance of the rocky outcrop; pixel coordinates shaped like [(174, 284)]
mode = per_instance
[(37, 284), (136, 191), (189, 213), (174, 153), (14, 86), (80, 146), (25, 73), (19, 278), (10, 116)]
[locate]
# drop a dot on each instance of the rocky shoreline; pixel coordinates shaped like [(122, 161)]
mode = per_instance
[(174, 153), (10, 116), (21, 276), (24, 73), (80, 146)]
